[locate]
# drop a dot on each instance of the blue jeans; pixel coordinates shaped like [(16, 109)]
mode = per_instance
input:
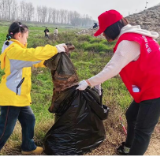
[(8, 117)]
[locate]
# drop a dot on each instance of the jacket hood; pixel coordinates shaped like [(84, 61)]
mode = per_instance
[(5, 47), (3, 54), (137, 29)]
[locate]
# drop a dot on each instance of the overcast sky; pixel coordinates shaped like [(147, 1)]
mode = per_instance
[(95, 7)]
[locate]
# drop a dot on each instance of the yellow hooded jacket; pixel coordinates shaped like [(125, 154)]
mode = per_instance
[(16, 60)]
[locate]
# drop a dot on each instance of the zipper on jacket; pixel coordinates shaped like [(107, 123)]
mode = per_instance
[(20, 83)]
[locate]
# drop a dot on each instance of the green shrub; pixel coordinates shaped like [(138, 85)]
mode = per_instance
[(89, 58), (83, 38), (94, 39), (97, 47)]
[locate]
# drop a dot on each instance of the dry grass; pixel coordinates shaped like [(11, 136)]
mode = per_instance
[(12, 147), (114, 134), (116, 96)]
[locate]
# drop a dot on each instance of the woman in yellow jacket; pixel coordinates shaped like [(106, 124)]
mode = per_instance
[(15, 86)]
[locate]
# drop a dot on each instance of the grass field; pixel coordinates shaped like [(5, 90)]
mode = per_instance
[(90, 56)]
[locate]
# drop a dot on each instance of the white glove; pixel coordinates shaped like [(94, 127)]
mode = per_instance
[(61, 48), (98, 87), (82, 85)]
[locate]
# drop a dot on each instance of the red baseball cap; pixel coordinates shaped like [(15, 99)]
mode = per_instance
[(106, 19)]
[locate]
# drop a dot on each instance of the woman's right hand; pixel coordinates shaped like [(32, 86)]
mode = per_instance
[(62, 48), (82, 85)]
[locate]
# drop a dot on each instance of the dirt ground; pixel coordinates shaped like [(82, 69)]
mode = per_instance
[(154, 147), (114, 137), (108, 146)]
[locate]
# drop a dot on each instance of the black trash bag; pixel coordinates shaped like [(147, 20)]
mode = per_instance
[(63, 74), (78, 128), (78, 124), (62, 70)]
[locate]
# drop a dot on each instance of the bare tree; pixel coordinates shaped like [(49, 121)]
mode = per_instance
[(22, 11), (50, 20), (58, 16), (11, 10), (42, 14), (14, 13), (39, 14), (66, 17), (26, 11), (3, 9), (70, 16), (62, 16), (54, 15), (29, 11), (75, 18)]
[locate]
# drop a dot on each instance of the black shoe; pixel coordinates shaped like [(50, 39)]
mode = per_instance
[(122, 149)]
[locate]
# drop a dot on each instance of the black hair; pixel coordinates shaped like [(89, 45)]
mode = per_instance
[(114, 30), (14, 28)]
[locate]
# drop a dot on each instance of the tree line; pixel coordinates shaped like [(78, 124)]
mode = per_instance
[(25, 11)]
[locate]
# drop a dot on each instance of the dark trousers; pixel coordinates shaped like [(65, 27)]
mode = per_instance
[(141, 119), (46, 35), (8, 117)]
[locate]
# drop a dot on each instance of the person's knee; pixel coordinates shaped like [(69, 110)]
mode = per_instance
[(143, 135), (131, 119), (5, 133), (30, 114), (132, 112), (129, 116), (31, 118)]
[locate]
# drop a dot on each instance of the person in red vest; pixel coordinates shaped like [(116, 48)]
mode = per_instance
[(137, 59)]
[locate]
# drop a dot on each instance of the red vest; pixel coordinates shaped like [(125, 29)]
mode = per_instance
[(145, 72)]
